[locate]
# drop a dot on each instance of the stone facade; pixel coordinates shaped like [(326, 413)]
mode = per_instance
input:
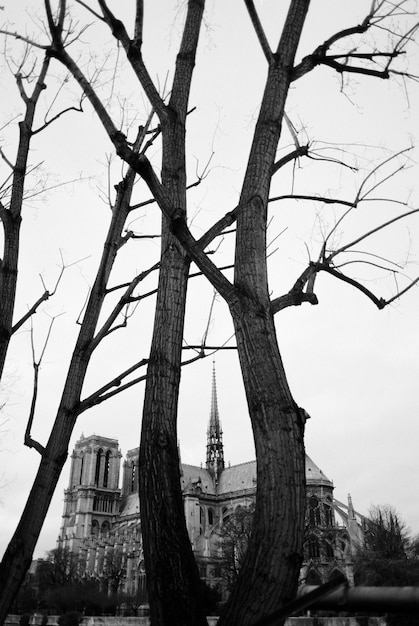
[(101, 522)]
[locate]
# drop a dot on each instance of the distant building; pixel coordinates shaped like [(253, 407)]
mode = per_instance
[(101, 521)]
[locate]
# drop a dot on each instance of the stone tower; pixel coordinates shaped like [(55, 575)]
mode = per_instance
[(215, 449), (91, 502)]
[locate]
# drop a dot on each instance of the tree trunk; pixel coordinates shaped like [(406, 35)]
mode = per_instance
[(11, 217), (172, 574), (173, 583), (18, 555), (269, 575)]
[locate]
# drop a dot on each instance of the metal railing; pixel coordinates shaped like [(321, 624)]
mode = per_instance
[(338, 596)]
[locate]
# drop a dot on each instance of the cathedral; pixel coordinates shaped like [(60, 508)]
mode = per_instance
[(101, 521)]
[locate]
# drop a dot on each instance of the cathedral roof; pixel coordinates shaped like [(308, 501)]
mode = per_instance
[(195, 477), (315, 475), (238, 478)]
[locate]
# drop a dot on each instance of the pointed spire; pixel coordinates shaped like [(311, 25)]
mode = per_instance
[(214, 423), (351, 511), (215, 450)]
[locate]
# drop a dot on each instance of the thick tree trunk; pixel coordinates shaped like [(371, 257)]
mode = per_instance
[(269, 575), (8, 280), (173, 582), (172, 575), (19, 552)]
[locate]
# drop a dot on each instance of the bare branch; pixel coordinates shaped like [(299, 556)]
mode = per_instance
[(371, 232), (134, 56), (27, 40), (320, 57), (139, 22), (323, 199), (296, 295), (96, 397), (124, 300), (28, 441), (299, 151), (31, 311), (56, 117), (86, 6), (250, 5)]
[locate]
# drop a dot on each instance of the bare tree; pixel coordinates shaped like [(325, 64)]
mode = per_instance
[(12, 195), (234, 532), (18, 555), (268, 578), (386, 536)]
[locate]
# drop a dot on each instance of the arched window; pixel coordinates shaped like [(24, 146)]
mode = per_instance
[(95, 528), (105, 527), (133, 476), (313, 548), (313, 512), (99, 457), (81, 469), (210, 517), (107, 466), (328, 548), (313, 578), (328, 516)]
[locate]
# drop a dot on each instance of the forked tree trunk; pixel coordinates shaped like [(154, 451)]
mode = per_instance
[(268, 577)]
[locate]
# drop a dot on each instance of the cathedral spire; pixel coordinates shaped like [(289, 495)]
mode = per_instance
[(215, 450)]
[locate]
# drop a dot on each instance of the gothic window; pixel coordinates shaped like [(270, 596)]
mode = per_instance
[(328, 515), (81, 469), (313, 548), (99, 457), (105, 527), (328, 545), (133, 476), (313, 512), (210, 517), (107, 466), (95, 528), (95, 503), (313, 578)]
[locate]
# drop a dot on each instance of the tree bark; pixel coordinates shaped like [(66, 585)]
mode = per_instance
[(174, 588), (11, 217), (269, 576), (173, 583)]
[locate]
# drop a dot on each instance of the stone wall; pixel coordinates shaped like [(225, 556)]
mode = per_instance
[(13, 620)]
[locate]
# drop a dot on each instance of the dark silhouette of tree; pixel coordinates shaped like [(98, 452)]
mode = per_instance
[(384, 559), (234, 533), (386, 536)]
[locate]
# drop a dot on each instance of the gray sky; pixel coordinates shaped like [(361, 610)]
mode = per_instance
[(352, 367)]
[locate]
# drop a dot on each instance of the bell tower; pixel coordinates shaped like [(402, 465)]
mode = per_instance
[(91, 502), (215, 449)]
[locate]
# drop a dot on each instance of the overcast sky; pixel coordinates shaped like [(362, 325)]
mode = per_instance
[(353, 368)]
